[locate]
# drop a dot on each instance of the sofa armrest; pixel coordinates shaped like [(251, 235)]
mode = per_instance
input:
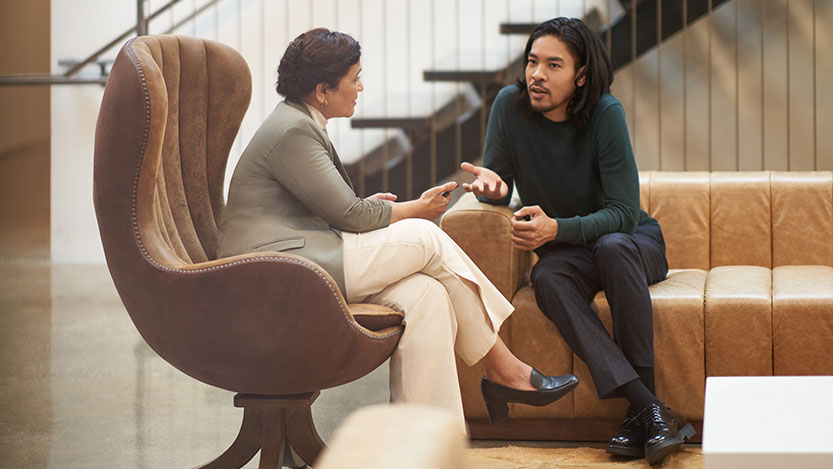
[(483, 231)]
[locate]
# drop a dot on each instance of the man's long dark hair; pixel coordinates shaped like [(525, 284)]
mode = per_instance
[(588, 51)]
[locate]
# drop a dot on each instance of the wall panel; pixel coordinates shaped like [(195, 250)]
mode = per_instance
[(824, 84), (724, 89), (801, 90), (775, 86), (750, 90)]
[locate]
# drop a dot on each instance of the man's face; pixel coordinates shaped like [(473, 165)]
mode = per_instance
[(551, 77)]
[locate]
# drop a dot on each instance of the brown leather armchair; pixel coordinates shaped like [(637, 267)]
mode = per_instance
[(272, 327)]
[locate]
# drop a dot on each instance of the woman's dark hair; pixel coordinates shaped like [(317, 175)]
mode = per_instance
[(587, 50), (316, 56)]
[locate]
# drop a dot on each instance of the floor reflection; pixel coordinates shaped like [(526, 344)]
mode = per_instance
[(80, 388), (26, 413)]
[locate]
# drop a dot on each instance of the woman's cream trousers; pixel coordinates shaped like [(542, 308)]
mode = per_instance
[(412, 266)]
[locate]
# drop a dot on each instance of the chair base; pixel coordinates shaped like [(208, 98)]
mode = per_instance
[(280, 427)]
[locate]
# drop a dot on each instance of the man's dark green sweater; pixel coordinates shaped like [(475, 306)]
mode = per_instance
[(586, 179)]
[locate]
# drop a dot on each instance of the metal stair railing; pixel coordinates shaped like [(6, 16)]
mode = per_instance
[(69, 77)]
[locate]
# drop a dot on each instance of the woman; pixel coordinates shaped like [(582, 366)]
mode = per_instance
[(290, 192)]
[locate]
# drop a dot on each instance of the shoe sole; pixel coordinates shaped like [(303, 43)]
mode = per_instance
[(658, 453), (628, 451)]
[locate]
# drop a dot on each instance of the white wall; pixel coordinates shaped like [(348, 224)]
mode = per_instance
[(78, 28)]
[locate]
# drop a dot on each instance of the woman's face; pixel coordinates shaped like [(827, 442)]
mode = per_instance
[(341, 102)]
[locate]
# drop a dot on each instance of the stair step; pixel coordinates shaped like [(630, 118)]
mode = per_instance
[(518, 28), (428, 107)]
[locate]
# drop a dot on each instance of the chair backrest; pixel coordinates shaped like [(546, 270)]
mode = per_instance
[(196, 92)]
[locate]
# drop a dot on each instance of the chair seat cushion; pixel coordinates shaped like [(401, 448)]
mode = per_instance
[(375, 317)]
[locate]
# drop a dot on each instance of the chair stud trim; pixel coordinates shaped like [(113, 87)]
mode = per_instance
[(138, 238)]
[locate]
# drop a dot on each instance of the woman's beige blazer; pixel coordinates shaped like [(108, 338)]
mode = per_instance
[(290, 192)]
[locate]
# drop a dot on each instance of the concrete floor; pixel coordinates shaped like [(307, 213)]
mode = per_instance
[(80, 388)]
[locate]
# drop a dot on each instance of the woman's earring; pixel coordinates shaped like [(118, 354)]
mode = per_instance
[(326, 103)]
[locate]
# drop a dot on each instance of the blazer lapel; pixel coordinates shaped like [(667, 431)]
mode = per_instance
[(339, 166)]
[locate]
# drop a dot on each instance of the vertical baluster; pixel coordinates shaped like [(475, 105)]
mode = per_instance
[(659, 83), (709, 19), (409, 156), (458, 130), (635, 70), (141, 23), (789, 153), (685, 84), (362, 176), (815, 109), (385, 147), (433, 151), (763, 89)]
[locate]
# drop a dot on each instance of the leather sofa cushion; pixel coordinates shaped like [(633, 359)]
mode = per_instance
[(740, 219), (738, 318), (802, 218), (802, 320), (680, 202)]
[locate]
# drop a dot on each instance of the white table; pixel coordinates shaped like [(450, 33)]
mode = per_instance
[(768, 422)]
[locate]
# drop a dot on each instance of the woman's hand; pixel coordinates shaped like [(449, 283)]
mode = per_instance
[(436, 200), (430, 205), (487, 184), (534, 232), (384, 196)]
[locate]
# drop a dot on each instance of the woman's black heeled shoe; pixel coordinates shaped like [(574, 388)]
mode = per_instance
[(549, 390)]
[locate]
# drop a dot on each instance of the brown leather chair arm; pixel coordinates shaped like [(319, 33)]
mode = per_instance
[(483, 231), (226, 321)]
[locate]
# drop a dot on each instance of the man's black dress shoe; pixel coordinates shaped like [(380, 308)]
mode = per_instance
[(549, 389), (665, 431), (630, 439)]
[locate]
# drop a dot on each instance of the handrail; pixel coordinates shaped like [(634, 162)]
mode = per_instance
[(73, 70), (22, 80), (68, 77), (191, 16)]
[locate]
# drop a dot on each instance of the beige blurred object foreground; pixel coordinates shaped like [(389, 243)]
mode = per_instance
[(399, 435)]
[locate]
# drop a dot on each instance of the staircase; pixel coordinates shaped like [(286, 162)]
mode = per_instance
[(455, 132)]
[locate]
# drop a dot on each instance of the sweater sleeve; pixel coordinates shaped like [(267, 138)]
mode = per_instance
[(496, 155), (301, 163), (619, 181)]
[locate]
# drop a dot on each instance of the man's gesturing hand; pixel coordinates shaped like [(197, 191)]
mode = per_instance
[(529, 235), (487, 184)]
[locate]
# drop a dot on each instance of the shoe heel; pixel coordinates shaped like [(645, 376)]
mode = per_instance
[(498, 412), (687, 432)]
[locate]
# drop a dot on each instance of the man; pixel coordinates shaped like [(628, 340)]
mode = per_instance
[(563, 139)]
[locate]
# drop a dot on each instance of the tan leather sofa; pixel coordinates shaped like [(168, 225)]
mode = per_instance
[(749, 292)]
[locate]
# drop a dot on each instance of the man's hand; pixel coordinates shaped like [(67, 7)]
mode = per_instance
[(487, 184), (531, 234), (383, 196)]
